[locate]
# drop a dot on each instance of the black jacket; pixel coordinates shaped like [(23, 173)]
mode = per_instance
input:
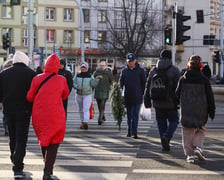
[(68, 75), (14, 84), (196, 99), (173, 75)]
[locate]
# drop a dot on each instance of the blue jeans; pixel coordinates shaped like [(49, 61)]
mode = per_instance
[(167, 122), (133, 116)]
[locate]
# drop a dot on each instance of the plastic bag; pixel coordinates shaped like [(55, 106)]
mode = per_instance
[(145, 113)]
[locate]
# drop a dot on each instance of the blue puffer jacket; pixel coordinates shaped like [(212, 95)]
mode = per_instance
[(87, 81), (133, 82)]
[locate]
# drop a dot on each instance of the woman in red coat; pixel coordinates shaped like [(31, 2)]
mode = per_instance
[(48, 114)]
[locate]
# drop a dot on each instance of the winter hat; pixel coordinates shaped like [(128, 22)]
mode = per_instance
[(20, 57), (84, 64), (62, 61), (166, 54)]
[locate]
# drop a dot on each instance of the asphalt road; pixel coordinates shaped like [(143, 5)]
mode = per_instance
[(105, 153)]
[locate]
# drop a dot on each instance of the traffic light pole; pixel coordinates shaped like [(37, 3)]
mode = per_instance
[(221, 42), (174, 34)]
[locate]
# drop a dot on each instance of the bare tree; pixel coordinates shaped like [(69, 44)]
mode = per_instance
[(134, 27)]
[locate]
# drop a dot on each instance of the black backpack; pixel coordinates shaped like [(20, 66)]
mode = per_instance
[(159, 89)]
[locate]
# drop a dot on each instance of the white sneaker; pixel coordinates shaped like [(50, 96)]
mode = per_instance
[(199, 153), (190, 159)]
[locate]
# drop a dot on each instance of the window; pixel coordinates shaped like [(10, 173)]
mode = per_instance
[(101, 36), (68, 14), (50, 36), (6, 12), (87, 36), (25, 37), (86, 15), (68, 36), (102, 15), (50, 14)]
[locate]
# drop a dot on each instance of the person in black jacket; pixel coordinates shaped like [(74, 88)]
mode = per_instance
[(14, 85), (167, 108), (196, 104), (132, 80), (68, 75)]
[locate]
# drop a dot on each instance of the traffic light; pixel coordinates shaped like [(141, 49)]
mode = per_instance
[(216, 57), (181, 28), (168, 36), (200, 16), (5, 41)]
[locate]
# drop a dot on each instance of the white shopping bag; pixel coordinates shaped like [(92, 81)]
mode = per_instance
[(145, 113)]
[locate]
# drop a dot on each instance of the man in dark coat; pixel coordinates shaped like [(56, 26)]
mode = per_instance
[(68, 75), (166, 109), (132, 80), (14, 85)]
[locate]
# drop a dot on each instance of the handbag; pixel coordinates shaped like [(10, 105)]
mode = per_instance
[(91, 111)]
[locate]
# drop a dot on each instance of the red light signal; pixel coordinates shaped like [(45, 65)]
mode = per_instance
[(200, 16)]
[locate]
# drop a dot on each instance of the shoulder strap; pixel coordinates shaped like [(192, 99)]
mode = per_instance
[(45, 80)]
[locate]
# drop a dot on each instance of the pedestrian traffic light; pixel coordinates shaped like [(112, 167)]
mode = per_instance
[(168, 36), (200, 16), (181, 28), (216, 57), (5, 41)]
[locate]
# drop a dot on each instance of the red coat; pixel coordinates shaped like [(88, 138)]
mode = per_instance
[(48, 114)]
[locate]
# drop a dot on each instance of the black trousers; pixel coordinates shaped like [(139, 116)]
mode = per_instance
[(18, 127), (49, 154), (101, 107)]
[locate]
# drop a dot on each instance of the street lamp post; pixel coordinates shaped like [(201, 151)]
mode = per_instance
[(81, 32)]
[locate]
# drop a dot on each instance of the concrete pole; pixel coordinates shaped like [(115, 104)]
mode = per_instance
[(174, 34), (30, 30), (221, 42), (81, 32)]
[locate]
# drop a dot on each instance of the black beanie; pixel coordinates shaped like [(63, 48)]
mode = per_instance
[(166, 54), (62, 61)]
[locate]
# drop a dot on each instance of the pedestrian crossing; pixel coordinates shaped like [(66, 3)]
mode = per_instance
[(101, 152), (105, 153)]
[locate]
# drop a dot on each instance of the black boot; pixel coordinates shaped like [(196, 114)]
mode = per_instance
[(47, 175)]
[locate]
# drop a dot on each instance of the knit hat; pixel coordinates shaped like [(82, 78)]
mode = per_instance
[(20, 57), (84, 64), (166, 54), (62, 61)]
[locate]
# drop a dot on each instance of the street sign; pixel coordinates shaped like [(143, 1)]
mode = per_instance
[(222, 57)]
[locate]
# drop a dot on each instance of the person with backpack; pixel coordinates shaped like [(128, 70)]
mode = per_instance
[(160, 89)]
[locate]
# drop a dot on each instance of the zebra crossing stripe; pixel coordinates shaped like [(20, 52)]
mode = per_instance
[(175, 171), (37, 175)]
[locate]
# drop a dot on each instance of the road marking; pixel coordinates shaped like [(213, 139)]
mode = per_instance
[(68, 175), (164, 171)]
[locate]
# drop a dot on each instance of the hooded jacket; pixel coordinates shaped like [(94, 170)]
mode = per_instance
[(14, 84), (48, 115), (196, 99), (173, 75)]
